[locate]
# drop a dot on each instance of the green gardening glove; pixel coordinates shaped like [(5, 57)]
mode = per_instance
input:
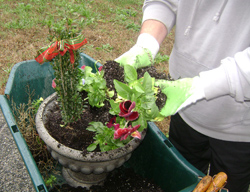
[(142, 54), (180, 93)]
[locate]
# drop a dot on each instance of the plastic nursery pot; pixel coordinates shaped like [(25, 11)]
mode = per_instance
[(155, 158)]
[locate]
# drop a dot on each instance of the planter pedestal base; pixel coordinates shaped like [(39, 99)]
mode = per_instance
[(78, 179)]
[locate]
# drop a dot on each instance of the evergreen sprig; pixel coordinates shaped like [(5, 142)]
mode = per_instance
[(66, 75)]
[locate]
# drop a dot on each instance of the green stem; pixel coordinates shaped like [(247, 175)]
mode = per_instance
[(62, 78), (95, 65), (126, 124)]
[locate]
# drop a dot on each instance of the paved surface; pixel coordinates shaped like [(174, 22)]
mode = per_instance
[(13, 174)]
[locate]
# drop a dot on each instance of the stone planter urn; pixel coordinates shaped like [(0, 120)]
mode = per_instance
[(78, 169)]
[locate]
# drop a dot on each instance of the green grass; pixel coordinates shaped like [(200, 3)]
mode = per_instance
[(106, 47), (27, 14), (161, 58), (105, 17), (5, 71), (38, 13)]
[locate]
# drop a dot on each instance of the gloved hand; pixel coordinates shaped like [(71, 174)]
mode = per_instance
[(142, 54), (180, 93)]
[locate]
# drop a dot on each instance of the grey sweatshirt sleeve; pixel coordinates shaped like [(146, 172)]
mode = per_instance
[(161, 10), (231, 77)]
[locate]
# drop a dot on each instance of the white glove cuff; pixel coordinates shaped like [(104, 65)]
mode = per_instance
[(199, 92), (147, 41)]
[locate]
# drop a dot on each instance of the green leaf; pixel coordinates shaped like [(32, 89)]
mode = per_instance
[(111, 93), (147, 82), (122, 89), (106, 148), (120, 144), (148, 101), (139, 88), (142, 121), (130, 73), (91, 128), (154, 112), (95, 126), (114, 107), (88, 71), (136, 97), (92, 147)]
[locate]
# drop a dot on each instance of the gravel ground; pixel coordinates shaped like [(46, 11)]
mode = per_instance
[(13, 173)]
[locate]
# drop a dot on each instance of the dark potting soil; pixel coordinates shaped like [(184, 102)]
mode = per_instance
[(76, 136), (120, 180)]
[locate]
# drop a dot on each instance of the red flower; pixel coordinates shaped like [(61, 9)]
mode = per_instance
[(53, 83), (126, 111), (112, 123), (83, 67), (124, 133), (100, 68)]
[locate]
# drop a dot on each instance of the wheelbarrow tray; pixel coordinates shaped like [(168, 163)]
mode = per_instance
[(156, 158)]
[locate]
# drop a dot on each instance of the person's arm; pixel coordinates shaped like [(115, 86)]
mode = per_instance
[(147, 46), (158, 20), (232, 78), (155, 28)]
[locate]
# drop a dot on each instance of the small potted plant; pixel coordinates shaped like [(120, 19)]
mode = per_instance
[(132, 105)]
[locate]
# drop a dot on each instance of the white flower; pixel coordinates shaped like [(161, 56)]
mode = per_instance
[(83, 81)]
